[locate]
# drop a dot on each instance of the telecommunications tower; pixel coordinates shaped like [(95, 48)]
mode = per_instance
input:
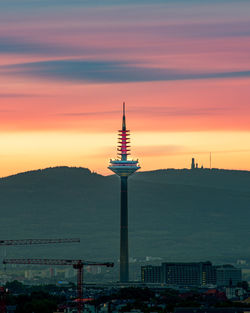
[(124, 168)]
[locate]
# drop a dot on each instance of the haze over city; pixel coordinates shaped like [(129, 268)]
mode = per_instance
[(181, 66)]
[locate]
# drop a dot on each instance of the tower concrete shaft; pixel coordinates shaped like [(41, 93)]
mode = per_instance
[(124, 256), (124, 168)]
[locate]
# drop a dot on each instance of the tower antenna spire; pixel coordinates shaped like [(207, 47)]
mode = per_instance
[(123, 118)]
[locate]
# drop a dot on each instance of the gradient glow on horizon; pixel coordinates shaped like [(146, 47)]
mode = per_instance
[(183, 68)]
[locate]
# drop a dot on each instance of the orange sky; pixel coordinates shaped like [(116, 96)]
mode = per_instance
[(65, 69)]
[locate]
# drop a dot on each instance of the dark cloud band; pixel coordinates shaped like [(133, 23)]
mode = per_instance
[(108, 72)]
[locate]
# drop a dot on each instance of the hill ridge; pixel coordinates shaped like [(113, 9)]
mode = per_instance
[(178, 214)]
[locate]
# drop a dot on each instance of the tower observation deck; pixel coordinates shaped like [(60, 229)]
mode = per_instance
[(124, 167)]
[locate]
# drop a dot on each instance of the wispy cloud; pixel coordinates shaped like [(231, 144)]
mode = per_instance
[(93, 3), (24, 46), (201, 29), (182, 111), (18, 95), (46, 3), (171, 150), (161, 150), (108, 72), (18, 46), (96, 113), (149, 150), (223, 151), (157, 111)]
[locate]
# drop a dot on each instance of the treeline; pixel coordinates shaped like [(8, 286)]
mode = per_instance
[(33, 299), (167, 300), (48, 298)]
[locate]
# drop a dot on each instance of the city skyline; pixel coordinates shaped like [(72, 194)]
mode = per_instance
[(182, 69)]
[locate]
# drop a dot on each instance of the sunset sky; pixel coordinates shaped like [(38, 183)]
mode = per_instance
[(182, 67)]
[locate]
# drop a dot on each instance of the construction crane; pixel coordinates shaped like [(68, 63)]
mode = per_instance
[(23, 242), (36, 241), (77, 264)]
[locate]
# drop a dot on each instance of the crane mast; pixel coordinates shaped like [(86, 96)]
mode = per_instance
[(77, 265)]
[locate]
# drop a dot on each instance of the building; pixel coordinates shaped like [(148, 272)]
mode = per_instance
[(188, 274), (124, 168), (235, 293), (151, 274), (228, 275), (212, 310), (192, 274), (181, 274), (193, 164), (208, 274)]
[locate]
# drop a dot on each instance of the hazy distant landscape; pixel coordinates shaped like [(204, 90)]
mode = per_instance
[(175, 214)]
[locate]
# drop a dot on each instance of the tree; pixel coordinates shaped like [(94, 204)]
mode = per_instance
[(16, 287), (243, 284)]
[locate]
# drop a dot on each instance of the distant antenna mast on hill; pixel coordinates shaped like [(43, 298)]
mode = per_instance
[(210, 160)]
